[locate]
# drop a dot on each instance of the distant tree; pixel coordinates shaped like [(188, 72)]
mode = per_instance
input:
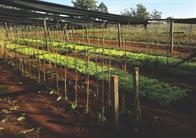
[(85, 4), (131, 13), (102, 8), (139, 12), (169, 18), (156, 14)]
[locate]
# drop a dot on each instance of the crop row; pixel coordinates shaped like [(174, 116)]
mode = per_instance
[(152, 89), (133, 58)]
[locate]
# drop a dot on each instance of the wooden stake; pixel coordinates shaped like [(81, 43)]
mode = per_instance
[(86, 34), (119, 36), (115, 101), (46, 41), (65, 69), (6, 40), (87, 84), (171, 37), (136, 106)]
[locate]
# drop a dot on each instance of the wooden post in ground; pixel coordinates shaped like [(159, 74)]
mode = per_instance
[(72, 33), (88, 83), (45, 32), (115, 101), (146, 26), (65, 33), (5, 40), (86, 34), (171, 36), (65, 69), (136, 106), (119, 36), (45, 37)]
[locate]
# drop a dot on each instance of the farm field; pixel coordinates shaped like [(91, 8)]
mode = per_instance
[(79, 63), (111, 78)]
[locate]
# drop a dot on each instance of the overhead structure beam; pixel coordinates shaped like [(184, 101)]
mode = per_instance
[(35, 9), (47, 7), (180, 20)]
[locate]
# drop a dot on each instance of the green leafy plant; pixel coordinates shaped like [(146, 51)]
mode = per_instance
[(101, 118), (59, 98), (153, 89), (73, 105), (134, 58)]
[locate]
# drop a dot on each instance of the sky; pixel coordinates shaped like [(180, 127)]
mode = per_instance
[(173, 8)]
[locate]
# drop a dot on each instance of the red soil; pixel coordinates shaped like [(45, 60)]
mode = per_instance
[(43, 112)]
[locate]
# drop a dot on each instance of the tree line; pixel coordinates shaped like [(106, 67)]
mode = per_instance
[(90, 5), (139, 12)]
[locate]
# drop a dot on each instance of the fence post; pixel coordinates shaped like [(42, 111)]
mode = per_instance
[(115, 101), (171, 37), (136, 106), (119, 35)]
